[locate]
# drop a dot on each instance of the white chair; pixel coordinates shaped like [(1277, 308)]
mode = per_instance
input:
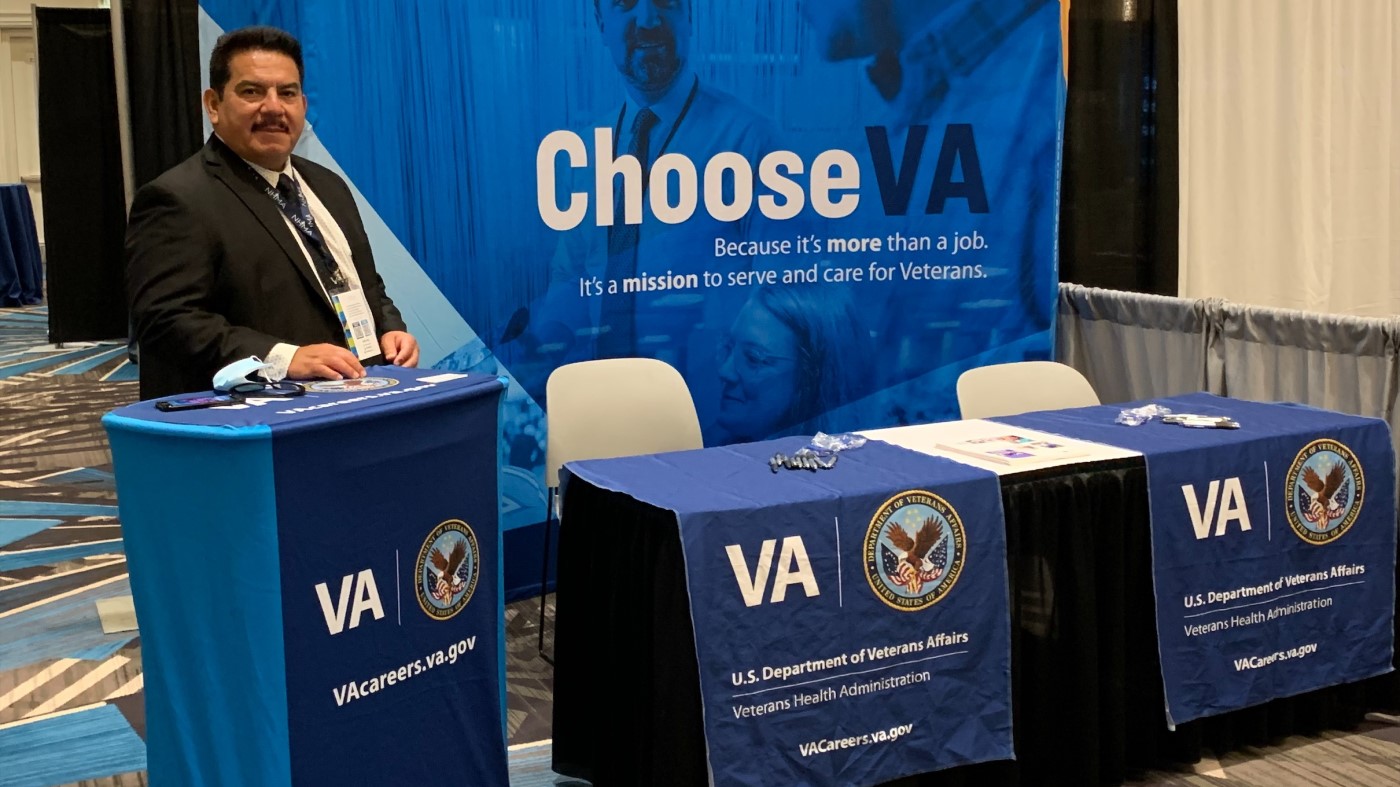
[(608, 408), (1012, 388)]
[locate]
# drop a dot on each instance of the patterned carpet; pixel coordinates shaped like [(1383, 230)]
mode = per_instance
[(71, 704)]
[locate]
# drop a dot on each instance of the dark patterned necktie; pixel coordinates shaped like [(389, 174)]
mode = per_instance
[(331, 276), (619, 311)]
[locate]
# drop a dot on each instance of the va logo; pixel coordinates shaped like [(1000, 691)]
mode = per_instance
[(448, 567), (1324, 490), (358, 594), (352, 386), (914, 550)]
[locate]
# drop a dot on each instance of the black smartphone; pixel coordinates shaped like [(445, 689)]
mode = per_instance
[(194, 403)]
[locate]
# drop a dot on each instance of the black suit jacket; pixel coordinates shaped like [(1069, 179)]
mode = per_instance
[(214, 274)]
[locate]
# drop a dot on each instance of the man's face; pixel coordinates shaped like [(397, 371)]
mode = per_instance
[(262, 110), (648, 39)]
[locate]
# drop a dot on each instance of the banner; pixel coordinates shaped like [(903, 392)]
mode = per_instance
[(319, 590), (819, 212), (1273, 547), (851, 624)]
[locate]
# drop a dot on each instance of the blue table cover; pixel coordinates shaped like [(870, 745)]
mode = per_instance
[(317, 582), (21, 269), (851, 624), (1273, 546)]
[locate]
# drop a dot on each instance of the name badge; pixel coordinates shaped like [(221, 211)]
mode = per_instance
[(357, 322)]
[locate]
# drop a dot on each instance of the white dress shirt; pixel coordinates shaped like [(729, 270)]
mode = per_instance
[(280, 357)]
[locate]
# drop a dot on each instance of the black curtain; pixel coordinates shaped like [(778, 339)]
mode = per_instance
[(80, 157), (1119, 193), (162, 69)]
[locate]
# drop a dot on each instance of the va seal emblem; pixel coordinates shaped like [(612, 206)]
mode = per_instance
[(914, 550), (448, 566), (351, 386), (1325, 490)]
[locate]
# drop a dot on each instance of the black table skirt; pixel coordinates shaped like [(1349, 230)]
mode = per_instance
[(1086, 678)]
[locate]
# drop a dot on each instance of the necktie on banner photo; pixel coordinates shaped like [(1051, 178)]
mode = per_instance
[(294, 205), (619, 312)]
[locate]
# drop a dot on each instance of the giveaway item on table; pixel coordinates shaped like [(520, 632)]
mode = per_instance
[(820, 454)]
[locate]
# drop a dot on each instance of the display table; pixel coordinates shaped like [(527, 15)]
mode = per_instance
[(21, 269), (1273, 545), (1087, 691), (849, 623), (317, 582)]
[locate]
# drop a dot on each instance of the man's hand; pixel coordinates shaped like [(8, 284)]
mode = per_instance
[(325, 362), (399, 348)]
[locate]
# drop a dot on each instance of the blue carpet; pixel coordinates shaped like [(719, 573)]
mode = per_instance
[(105, 650), (39, 508), (529, 767), (60, 629), (95, 361), (47, 557), (12, 530), (28, 316), (124, 373), (12, 369), (90, 744), (80, 475)]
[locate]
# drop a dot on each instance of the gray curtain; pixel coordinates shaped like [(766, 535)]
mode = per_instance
[(1133, 346)]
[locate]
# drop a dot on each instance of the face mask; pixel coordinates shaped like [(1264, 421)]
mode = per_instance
[(238, 373)]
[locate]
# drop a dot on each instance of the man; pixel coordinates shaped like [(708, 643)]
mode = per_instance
[(666, 109), (246, 250)]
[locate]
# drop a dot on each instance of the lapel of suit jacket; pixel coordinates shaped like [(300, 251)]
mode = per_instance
[(224, 164)]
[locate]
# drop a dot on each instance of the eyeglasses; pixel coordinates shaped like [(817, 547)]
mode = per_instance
[(749, 359), (281, 388)]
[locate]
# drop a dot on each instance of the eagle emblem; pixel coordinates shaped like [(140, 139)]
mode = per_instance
[(352, 385), (1326, 487), (915, 568), (1324, 509), (449, 565), (445, 568), (915, 549)]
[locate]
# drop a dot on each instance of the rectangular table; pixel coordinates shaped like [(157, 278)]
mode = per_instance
[(1087, 691), (851, 623), (1272, 546), (317, 581), (21, 270)]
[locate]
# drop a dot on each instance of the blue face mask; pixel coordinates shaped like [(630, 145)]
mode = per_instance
[(238, 373)]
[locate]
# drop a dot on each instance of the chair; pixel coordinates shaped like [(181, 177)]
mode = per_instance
[(1012, 388), (607, 408)]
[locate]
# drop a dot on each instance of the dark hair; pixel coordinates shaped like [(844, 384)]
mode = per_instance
[(834, 346), (246, 39)]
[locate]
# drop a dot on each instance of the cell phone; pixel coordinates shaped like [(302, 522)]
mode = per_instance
[(194, 403)]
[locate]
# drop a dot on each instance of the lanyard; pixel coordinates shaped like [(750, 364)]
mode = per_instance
[(332, 278)]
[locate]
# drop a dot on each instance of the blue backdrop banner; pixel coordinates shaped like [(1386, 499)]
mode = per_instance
[(1273, 547), (851, 624), (819, 211)]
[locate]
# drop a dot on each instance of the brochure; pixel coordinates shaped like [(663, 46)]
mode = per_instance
[(1015, 449)]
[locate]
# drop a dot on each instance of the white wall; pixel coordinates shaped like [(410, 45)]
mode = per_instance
[(1290, 153)]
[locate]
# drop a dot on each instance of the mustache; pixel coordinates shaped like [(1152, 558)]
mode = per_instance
[(274, 125), (650, 36)]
